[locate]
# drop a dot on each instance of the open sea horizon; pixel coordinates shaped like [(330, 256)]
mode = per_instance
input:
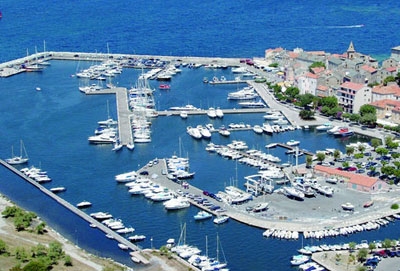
[(54, 123)]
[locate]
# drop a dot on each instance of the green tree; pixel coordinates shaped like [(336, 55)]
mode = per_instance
[(349, 151), (367, 109), (355, 117), (336, 154), (40, 229), (305, 99), (3, 247), (292, 92), (388, 79), (306, 114), (330, 101), (371, 246), (387, 243), (320, 156), (308, 161), (55, 252), (21, 254), (362, 254), (352, 246), (317, 65), (346, 116), (382, 151), (375, 142), (68, 260), (273, 65), (36, 265), (368, 119)]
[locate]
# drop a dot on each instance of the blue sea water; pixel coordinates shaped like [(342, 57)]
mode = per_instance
[(55, 122)]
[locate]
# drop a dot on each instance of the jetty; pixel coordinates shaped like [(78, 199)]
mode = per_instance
[(73, 209)]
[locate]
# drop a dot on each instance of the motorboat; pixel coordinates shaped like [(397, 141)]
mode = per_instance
[(293, 142), (18, 160), (219, 113), (299, 259), (324, 127), (333, 130), (187, 107), (224, 131), (164, 86), (125, 230), (261, 207), (84, 204), (108, 122), (258, 129), (221, 219), (126, 177), (202, 215), (194, 132), (183, 114), (58, 189), (117, 146), (258, 104), (293, 193), (343, 132), (176, 203), (267, 128), (273, 116), (123, 246), (211, 113), (205, 133), (137, 238), (162, 196), (239, 70), (347, 206), (305, 189), (105, 138), (101, 216)]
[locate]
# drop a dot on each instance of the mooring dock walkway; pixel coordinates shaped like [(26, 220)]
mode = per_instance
[(124, 120), (72, 208)]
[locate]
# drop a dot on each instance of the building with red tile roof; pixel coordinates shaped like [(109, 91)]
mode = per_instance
[(354, 181), (381, 92), (387, 110)]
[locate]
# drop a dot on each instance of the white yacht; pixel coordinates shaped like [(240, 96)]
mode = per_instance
[(187, 107), (205, 133), (324, 127), (258, 129), (194, 132), (126, 177), (84, 204), (293, 142), (267, 128), (211, 113), (202, 215), (219, 113), (105, 138), (291, 192), (224, 132), (221, 219), (176, 203), (183, 114)]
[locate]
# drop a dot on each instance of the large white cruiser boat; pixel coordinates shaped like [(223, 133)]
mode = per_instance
[(176, 203), (105, 138), (194, 132), (126, 177)]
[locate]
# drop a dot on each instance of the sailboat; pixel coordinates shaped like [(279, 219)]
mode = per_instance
[(109, 121), (216, 264), (18, 160), (32, 67)]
